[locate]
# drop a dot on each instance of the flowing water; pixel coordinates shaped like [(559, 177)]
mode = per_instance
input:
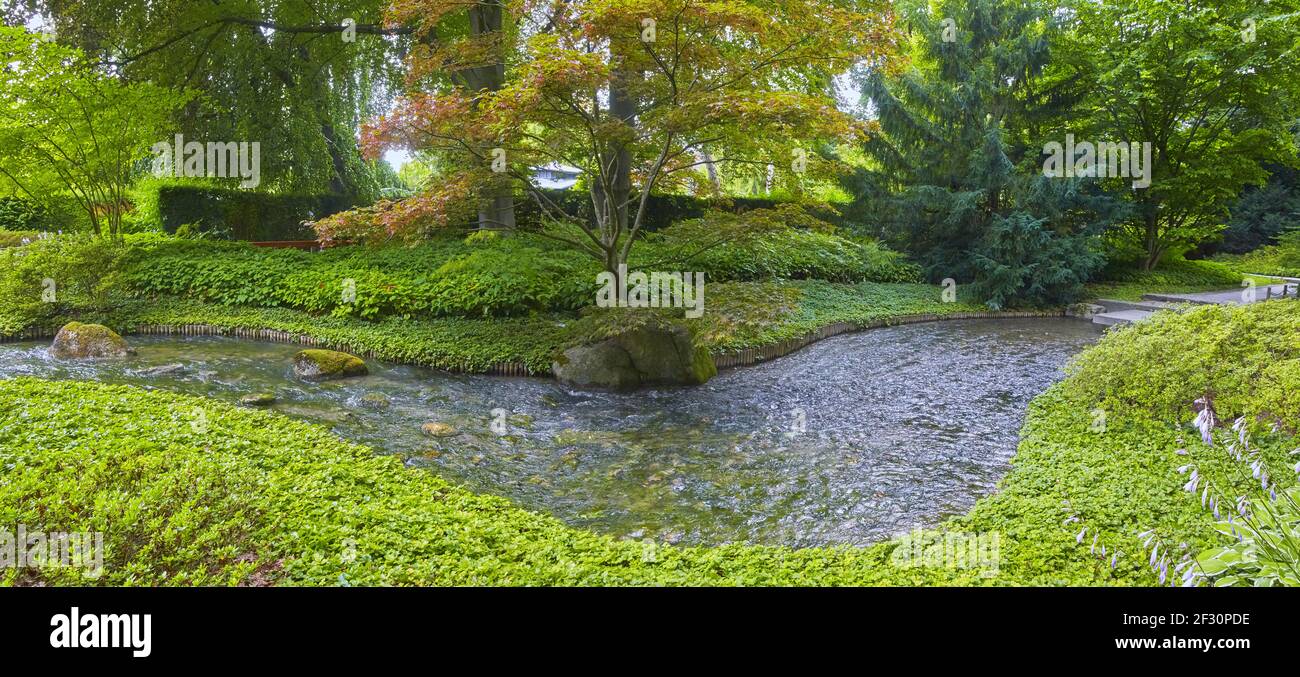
[(851, 440)]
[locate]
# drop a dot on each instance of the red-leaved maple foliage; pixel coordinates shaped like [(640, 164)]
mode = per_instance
[(640, 95)]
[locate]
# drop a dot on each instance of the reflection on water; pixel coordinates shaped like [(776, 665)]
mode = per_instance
[(851, 440)]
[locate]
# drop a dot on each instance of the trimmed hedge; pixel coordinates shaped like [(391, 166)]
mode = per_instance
[(662, 211), (246, 215), (254, 216)]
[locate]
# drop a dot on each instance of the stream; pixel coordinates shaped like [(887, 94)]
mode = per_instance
[(849, 441)]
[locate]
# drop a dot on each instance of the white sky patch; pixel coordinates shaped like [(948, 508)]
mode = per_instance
[(397, 158)]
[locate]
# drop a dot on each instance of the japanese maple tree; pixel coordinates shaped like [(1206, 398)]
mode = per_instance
[(637, 94)]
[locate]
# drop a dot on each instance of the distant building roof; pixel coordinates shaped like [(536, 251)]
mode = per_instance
[(556, 176)]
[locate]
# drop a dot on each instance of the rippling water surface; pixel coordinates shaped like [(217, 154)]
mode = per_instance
[(851, 440)]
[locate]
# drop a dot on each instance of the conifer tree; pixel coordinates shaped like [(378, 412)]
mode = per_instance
[(956, 176)]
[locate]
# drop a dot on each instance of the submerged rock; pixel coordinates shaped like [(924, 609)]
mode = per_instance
[(323, 365), (641, 356), (375, 401), (76, 341), (162, 370), (435, 429), (257, 400)]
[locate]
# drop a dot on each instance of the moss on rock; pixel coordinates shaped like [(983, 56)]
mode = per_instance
[(320, 365), (77, 341), (257, 400), (649, 354)]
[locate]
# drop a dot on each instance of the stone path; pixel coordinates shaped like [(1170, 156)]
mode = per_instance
[(1123, 312)]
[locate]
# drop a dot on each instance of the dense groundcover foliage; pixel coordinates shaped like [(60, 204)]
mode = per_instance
[(461, 303), (482, 275), (253, 497), (1126, 282), (1282, 258)]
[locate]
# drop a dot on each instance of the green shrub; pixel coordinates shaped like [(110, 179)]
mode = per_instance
[(1021, 262), (209, 270), (58, 276), (1242, 357), (780, 243), (479, 276), (18, 214), (443, 278)]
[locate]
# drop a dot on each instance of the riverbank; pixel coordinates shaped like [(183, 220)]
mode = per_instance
[(288, 503), (746, 322)]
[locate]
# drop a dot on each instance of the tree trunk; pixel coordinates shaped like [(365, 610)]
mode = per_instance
[(1154, 250), (612, 204), (497, 208)]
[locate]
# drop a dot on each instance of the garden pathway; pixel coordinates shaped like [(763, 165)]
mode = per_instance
[(1124, 312)]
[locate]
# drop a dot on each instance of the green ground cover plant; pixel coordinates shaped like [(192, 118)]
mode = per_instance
[(252, 497), (1281, 259), (479, 276), (1128, 283)]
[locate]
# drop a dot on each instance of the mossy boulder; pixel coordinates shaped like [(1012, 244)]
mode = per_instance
[(323, 365), (76, 341), (598, 365), (645, 355)]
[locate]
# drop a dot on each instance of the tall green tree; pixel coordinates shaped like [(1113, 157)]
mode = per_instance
[(1210, 84), (956, 178), (70, 133), (297, 76)]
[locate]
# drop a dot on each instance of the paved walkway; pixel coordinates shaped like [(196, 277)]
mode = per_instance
[(1123, 312)]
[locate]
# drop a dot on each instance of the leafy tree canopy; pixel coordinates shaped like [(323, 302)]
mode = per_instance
[(71, 136), (1211, 85), (631, 92), (297, 76)]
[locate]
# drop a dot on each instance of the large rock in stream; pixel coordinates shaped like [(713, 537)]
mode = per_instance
[(77, 341), (324, 365), (638, 357)]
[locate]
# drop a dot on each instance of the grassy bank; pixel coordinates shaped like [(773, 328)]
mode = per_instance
[(1175, 277), (253, 497), (740, 315)]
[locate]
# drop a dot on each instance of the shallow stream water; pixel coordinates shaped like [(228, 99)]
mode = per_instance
[(848, 441)]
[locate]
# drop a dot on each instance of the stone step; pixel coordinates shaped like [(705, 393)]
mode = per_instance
[(1113, 305), (1227, 296), (1121, 317)]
